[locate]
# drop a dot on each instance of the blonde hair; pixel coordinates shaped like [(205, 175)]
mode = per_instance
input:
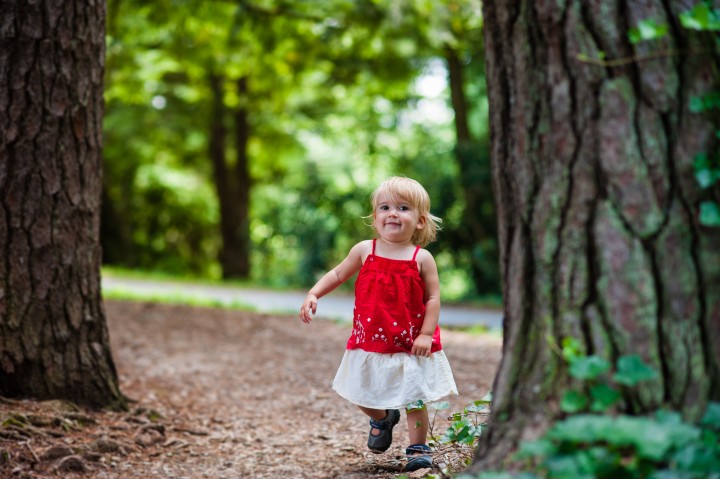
[(409, 190)]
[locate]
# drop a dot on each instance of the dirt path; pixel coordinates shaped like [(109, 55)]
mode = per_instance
[(240, 394)]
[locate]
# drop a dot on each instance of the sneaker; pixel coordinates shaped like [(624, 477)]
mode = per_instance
[(383, 440), (418, 458)]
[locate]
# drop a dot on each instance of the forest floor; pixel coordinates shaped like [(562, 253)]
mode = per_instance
[(223, 394)]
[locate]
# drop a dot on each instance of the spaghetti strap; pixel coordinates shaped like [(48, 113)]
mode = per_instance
[(417, 248), (373, 250)]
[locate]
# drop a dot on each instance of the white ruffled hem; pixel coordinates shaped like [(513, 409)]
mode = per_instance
[(393, 381)]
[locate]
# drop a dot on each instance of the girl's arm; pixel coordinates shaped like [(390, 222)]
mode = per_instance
[(429, 274), (332, 279)]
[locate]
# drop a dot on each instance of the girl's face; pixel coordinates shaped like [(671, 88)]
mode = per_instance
[(396, 220)]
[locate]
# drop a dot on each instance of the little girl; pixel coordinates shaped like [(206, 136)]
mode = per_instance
[(394, 358)]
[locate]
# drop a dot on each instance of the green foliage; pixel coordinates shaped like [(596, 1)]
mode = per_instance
[(334, 107), (647, 30), (703, 16), (454, 448), (609, 446)]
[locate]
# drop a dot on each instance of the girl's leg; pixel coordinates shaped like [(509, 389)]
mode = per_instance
[(382, 422), (418, 425), (377, 414)]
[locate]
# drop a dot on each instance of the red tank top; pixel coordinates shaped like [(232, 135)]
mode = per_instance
[(389, 306)]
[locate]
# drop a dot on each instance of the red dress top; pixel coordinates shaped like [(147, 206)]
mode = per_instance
[(389, 306)]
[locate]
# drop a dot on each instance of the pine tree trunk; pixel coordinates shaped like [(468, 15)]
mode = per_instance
[(479, 230), (598, 207), (232, 186), (53, 334)]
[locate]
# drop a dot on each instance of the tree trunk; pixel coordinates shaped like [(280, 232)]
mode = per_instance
[(233, 191), (598, 207), (241, 237), (53, 334), (479, 225)]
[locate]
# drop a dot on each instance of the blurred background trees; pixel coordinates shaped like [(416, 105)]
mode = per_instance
[(242, 139)]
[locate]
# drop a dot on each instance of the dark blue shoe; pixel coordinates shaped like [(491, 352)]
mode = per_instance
[(418, 456), (383, 440)]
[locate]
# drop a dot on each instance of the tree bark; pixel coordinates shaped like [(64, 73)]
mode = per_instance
[(233, 190), (598, 207), (53, 334)]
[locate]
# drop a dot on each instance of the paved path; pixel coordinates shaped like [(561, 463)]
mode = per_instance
[(334, 306)]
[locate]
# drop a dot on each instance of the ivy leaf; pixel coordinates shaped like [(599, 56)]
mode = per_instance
[(709, 213), (538, 448), (651, 439), (477, 409), (706, 172), (440, 406), (571, 349), (705, 102), (589, 368), (603, 397), (712, 416), (696, 104), (701, 17), (573, 401), (646, 30), (632, 370)]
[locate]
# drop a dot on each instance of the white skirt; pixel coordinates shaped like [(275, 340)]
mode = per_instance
[(393, 381)]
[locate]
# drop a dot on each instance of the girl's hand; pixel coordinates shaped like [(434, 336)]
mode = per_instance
[(310, 305), (422, 346)]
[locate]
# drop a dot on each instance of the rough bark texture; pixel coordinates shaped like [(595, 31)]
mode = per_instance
[(598, 207), (53, 335)]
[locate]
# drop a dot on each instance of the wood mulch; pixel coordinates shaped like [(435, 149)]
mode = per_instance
[(222, 394)]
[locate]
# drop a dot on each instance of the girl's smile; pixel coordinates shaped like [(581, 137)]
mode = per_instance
[(396, 220)]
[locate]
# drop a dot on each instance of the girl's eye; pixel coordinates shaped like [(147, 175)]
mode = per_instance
[(404, 208), (384, 207)]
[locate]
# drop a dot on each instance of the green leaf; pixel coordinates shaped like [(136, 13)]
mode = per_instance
[(589, 368), (573, 401), (709, 213), (533, 449), (696, 104), (570, 466), (707, 170), (647, 29), (701, 17), (440, 406), (631, 370), (708, 101), (604, 397), (571, 349), (711, 418), (650, 438), (476, 409), (697, 457)]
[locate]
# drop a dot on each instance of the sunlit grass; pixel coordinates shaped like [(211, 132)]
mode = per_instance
[(124, 294), (163, 276)]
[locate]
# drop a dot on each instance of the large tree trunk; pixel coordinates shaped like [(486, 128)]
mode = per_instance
[(233, 190), (53, 334), (598, 207)]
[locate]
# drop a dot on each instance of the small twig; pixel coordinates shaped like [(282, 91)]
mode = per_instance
[(190, 431), (636, 58), (32, 451)]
